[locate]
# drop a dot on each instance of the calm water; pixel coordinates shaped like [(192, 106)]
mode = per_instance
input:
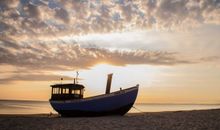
[(36, 107)]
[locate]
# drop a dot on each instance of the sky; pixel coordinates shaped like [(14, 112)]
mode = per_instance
[(170, 48)]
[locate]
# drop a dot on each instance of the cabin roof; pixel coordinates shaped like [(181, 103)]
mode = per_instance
[(71, 85)]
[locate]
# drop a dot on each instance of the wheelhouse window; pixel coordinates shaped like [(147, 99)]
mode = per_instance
[(55, 91), (65, 90)]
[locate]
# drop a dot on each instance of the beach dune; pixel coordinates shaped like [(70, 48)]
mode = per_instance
[(178, 120)]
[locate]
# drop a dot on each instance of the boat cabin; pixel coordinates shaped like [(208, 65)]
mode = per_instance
[(73, 90), (67, 91)]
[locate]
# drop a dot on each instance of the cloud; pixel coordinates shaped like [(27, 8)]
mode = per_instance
[(25, 24), (210, 58), (56, 56), (33, 77), (62, 14), (36, 61), (30, 17), (11, 73)]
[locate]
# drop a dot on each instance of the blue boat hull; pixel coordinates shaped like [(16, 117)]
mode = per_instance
[(116, 103)]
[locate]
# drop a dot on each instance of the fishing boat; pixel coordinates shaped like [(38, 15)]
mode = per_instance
[(68, 101)]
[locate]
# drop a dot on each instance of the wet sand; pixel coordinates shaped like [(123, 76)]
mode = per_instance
[(178, 120)]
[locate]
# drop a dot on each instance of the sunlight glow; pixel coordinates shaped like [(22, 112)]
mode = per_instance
[(127, 76)]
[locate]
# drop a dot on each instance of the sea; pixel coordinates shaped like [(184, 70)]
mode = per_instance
[(43, 107)]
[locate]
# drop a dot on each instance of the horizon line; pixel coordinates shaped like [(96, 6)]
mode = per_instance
[(150, 103)]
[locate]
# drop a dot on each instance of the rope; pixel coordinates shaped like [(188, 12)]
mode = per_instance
[(138, 109)]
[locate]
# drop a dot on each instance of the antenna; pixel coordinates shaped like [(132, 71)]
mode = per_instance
[(77, 74), (76, 78)]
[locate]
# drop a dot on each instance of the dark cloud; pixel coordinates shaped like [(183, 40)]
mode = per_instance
[(62, 14), (27, 9), (171, 13), (3, 27)]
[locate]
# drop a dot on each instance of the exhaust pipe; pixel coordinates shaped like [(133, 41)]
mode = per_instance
[(108, 85)]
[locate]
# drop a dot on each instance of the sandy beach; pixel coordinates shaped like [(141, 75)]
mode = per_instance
[(178, 120)]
